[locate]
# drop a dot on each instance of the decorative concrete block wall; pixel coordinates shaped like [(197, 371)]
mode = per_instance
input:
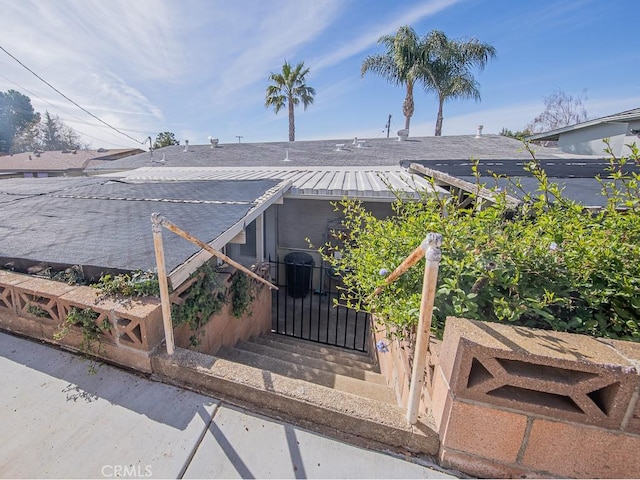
[(37, 307), (514, 401)]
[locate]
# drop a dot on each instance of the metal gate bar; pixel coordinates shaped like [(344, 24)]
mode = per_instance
[(315, 315)]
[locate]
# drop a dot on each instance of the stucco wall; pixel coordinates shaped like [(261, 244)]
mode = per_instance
[(588, 141), (299, 219)]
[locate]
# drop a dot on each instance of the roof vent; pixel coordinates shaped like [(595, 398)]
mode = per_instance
[(339, 147), (186, 145), (403, 134), (102, 150), (361, 143), (30, 157), (355, 140), (286, 155), (163, 160), (479, 132), (214, 142)]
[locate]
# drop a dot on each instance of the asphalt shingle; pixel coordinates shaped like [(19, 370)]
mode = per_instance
[(111, 233)]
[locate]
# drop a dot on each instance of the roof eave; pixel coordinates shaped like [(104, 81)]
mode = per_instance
[(182, 272)]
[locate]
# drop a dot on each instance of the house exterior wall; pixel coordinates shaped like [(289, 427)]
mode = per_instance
[(588, 140), (299, 219)]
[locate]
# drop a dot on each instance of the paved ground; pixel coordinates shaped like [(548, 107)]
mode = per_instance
[(57, 420)]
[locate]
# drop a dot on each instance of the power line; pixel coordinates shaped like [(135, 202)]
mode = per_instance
[(68, 113), (67, 98)]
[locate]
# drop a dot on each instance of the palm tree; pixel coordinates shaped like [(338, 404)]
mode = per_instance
[(400, 64), (448, 65), (289, 87)]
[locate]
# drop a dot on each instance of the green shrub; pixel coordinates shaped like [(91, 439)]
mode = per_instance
[(85, 319), (135, 284), (548, 263)]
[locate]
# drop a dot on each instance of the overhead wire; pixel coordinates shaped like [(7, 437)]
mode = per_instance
[(68, 99), (66, 112)]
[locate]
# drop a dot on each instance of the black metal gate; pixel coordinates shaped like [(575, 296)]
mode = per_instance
[(304, 306)]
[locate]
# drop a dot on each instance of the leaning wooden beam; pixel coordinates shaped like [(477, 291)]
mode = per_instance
[(157, 218), (413, 258), (447, 179)]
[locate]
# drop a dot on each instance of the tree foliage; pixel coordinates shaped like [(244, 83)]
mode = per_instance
[(165, 139), (16, 115), (518, 134), (440, 64), (47, 134), (289, 88), (448, 69), (560, 110), (548, 264), (400, 64)]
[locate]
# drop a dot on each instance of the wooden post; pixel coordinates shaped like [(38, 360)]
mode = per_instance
[(260, 238), (162, 280), (431, 248)]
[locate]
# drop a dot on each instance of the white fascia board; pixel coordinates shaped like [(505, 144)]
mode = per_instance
[(182, 272)]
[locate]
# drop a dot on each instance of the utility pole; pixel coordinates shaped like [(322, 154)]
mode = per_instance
[(238, 137), (388, 125)]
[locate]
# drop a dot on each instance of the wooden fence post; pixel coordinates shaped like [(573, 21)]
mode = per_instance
[(156, 219), (432, 253)]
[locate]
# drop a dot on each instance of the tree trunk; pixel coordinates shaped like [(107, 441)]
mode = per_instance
[(408, 105), (439, 119), (292, 122)]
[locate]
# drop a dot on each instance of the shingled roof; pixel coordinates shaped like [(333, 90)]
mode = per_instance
[(326, 153), (61, 160), (105, 225)]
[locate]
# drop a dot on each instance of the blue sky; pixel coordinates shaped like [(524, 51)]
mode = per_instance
[(200, 68)]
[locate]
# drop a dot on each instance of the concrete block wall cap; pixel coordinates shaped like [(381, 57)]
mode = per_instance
[(45, 286), (559, 348), (629, 350), (12, 278), (89, 297)]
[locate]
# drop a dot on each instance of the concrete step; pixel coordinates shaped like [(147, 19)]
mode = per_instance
[(335, 413), (313, 362), (309, 374), (311, 349)]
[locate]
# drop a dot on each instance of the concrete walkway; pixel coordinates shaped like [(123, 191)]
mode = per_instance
[(58, 420)]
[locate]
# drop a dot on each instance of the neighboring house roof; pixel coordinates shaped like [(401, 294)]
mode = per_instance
[(622, 117), (577, 175), (373, 152), (60, 161), (101, 224)]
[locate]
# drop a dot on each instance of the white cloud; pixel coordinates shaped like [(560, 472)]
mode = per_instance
[(358, 45)]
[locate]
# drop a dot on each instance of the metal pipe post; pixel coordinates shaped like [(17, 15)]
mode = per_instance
[(431, 247), (156, 220)]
